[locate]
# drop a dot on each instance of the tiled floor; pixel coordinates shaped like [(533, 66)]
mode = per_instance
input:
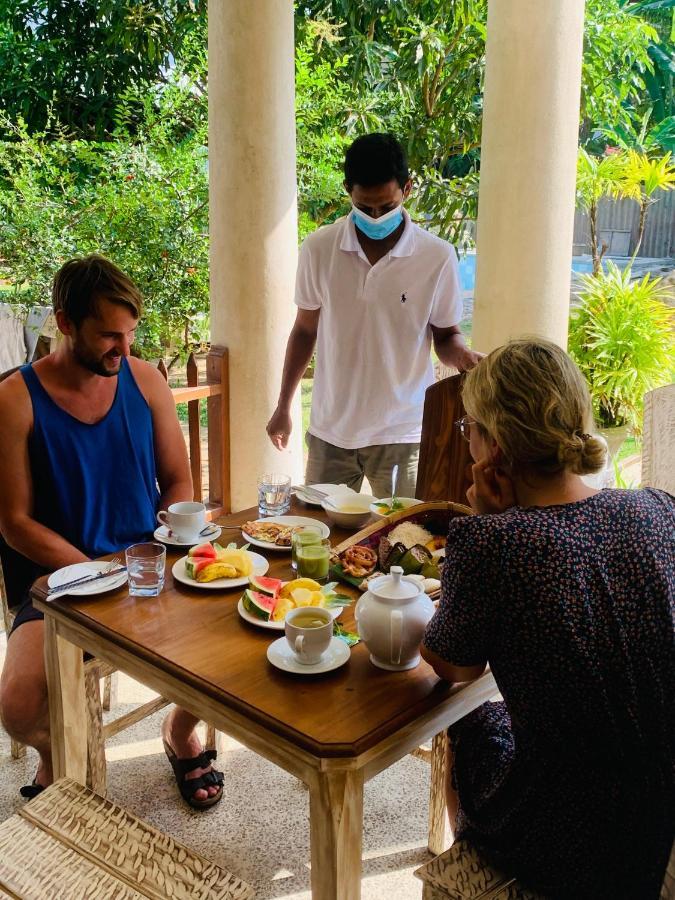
[(260, 830)]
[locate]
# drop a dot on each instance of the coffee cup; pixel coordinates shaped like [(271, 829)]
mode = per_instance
[(309, 630), (184, 520)]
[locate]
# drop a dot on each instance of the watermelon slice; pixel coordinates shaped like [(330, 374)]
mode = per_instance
[(206, 551), (259, 605), (196, 564), (270, 586)]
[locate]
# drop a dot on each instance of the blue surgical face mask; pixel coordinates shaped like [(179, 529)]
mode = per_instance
[(378, 229)]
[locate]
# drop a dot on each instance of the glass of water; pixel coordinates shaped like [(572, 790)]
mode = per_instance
[(274, 495), (145, 568)]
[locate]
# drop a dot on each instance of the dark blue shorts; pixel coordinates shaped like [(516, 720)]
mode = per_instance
[(26, 612), (20, 574)]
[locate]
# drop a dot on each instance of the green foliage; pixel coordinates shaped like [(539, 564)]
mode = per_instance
[(321, 100), (628, 174), (70, 62), (615, 62), (622, 340), (143, 204)]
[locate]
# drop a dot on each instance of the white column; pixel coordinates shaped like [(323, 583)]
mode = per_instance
[(253, 223), (528, 169)]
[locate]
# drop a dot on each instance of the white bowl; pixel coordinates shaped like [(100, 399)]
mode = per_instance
[(348, 510), (406, 501)]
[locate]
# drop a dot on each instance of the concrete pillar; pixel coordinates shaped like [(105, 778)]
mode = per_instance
[(253, 223), (528, 170)]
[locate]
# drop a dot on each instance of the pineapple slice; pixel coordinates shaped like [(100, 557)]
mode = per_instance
[(282, 607), (216, 570)]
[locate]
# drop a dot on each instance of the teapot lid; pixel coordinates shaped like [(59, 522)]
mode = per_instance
[(394, 586)]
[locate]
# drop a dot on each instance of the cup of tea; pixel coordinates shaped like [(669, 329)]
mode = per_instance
[(184, 520), (309, 630)]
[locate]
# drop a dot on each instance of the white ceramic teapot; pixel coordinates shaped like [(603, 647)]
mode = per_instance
[(391, 617)]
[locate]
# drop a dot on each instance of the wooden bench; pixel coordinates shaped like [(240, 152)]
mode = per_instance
[(463, 873), (70, 843)]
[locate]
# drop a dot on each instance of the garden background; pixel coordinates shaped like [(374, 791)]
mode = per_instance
[(103, 147)]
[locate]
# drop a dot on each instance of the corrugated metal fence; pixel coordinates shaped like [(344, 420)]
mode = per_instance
[(618, 222)]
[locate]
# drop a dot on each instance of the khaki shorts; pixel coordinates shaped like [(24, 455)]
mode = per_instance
[(334, 465)]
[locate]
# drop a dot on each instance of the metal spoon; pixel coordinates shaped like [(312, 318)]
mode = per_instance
[(394, 479)]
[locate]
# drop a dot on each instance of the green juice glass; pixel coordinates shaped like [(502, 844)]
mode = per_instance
[(308, 534), (313, 561)]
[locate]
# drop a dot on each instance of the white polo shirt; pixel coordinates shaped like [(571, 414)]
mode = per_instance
[(373, 359)]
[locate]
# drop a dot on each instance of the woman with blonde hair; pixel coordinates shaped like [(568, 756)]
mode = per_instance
[(567, 593)]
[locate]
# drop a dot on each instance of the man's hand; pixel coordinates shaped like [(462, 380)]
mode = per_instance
[(492, 490), (466, 359), (279, 427), (451, 348)]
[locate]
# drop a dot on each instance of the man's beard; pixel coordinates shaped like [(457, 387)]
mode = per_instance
[(97, 364)]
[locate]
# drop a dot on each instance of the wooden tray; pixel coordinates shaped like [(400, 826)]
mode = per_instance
[(434, 515)]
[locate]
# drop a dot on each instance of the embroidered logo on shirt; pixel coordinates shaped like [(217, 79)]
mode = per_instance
[(403, 298)]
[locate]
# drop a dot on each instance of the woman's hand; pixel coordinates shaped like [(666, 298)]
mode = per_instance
[(492, 490)]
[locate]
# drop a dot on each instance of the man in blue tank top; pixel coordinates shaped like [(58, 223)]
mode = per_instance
[(90, 447)]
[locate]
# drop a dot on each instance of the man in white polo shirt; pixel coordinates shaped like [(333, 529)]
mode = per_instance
[(373, 290)]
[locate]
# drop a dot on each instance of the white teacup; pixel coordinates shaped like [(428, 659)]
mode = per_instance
[(184, 520), (309, 630)]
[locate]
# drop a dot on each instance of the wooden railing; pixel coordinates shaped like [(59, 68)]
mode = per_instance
[(216, 391)]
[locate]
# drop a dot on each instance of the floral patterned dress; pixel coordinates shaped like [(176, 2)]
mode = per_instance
[(568, 783)]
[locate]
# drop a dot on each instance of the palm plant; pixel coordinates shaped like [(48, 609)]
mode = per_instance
[(597, 177), (621, 338), (640, 178)]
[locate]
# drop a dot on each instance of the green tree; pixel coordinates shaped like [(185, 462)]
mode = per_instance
[(141, 203), (416, 68), (70, 61)]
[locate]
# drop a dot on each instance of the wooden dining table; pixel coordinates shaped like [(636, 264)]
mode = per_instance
[(333, 731)]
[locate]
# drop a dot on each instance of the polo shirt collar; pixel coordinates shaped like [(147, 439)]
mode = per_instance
[(404, 246)]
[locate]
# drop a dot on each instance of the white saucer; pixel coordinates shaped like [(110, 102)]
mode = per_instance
[(260, 566), (330, 489), (289, 521), (269, 624), (80, 570), (280, 655), (162, 534)]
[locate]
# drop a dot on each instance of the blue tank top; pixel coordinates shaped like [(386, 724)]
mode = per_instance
[(95, 485)]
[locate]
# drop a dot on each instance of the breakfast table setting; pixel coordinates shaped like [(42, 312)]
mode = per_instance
[(296, 634)]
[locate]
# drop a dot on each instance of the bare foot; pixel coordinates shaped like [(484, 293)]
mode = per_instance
[(186, 745)]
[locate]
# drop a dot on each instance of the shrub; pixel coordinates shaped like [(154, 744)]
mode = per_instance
[(621, 337)]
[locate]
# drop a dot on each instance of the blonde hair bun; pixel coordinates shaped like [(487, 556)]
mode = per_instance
[(583, 454)]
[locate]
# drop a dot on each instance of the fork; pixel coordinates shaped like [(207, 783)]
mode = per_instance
[(112, 565), (309, 491)]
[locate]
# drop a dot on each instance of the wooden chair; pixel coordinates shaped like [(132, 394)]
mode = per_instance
[(658, 446), (69, 842), (94, 671), (444, 471), (463, 873)]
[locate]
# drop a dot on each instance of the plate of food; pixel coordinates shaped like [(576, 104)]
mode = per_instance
[(211, 566), (416, 549), (268, 600), (275, 532)]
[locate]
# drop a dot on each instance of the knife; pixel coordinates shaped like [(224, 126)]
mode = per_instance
[(85, 579)]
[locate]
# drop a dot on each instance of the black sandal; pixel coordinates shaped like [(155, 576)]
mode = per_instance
[(31, 790), (188, 788)]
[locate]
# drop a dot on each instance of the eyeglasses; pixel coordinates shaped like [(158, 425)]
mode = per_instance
[(464, 424)]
